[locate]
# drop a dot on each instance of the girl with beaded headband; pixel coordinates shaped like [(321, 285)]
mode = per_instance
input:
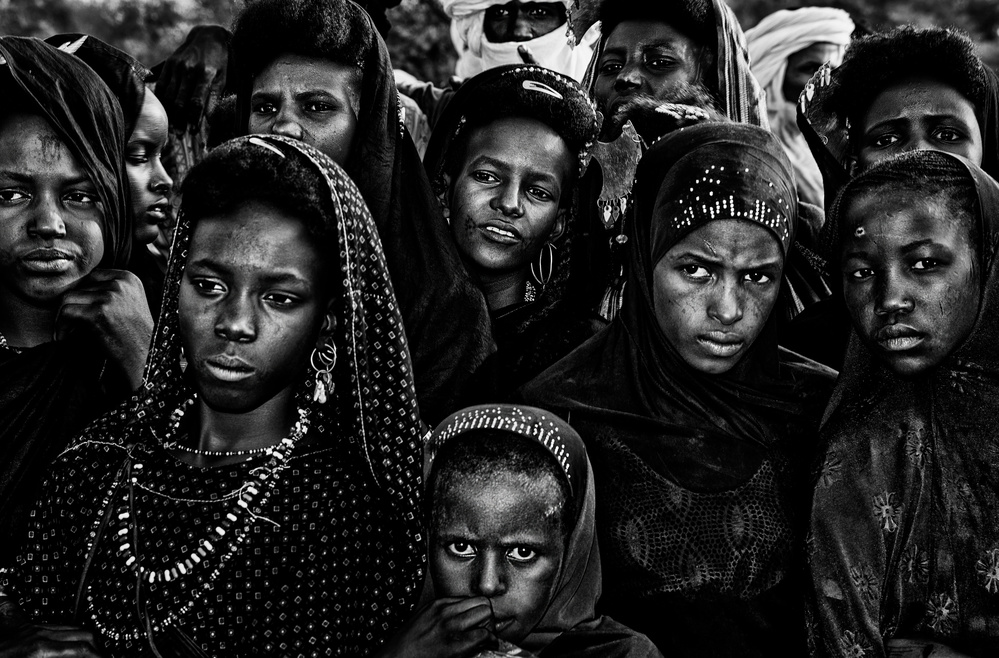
[(505, 157), (228, 509), (514, 564), (693, 417)]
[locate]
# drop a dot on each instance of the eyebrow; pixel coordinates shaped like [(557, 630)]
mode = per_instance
[(929, 117), (82, 179), (714, 260), (271, 277), (502, 166)]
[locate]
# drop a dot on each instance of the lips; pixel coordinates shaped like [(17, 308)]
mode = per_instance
[(47, 260), (501, 233), (228, 368), (898, 337), (721, 344), (159, 211)]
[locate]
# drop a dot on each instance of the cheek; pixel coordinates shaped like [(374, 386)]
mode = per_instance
[(448, 576), (90, 238), (138, 178), (677, 306), (759, 304)]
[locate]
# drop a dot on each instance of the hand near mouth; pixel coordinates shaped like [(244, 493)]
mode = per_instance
[(444, 628)]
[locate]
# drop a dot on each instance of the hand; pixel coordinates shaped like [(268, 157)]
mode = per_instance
[(192, 74), (526, 55), (48, 641), (653, 118), (906, 648), (111, 306), (446, 628)]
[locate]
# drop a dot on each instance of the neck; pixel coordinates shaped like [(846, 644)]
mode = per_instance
[(502, 290), (262, 427), (24, 324)]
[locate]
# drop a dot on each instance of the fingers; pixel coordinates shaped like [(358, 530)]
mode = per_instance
[(526, 55)]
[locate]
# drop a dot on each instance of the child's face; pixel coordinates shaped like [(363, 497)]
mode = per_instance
[(500, 539)]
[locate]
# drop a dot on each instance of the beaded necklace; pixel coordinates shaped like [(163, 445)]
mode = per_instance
[(173, 430), (234, 529)]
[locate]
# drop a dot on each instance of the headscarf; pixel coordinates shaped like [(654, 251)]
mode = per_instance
[(86, 115), (124, 75), (904, 541), (774, 39), (571, 616), (48, 393), (695, 451), (444, 314), (558, 50)]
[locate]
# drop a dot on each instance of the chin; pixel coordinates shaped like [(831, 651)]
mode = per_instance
[(910, 366)]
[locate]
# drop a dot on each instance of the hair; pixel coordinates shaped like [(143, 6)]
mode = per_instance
[(694, 18), (336, 30), (240, 171), (927, 176), (483, 456), (878, 61)]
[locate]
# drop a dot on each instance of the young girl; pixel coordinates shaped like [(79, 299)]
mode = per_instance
[(905, 548), (514, 565)]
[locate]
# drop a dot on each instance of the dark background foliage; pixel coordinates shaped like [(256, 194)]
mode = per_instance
[(419, 40)]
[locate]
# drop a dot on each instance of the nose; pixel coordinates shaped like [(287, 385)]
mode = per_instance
[(919, 142), (508, 201), (490, 580), (522, 30), (628, 78), (47, 221), (237, 321), (893, 296), (287, 124), (160, 182), (726, 304)]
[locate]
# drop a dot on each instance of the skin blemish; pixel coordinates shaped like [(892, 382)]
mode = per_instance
[(859, 232), (51, 147), (710, 247)]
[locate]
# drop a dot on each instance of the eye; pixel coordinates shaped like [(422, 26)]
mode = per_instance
[(461, 549), (885, 140), (610, 67), (281, 299), (80, 198), (541, 194), (484, 176), (137, 156), (949, 135), (540, 13), (318, 106), (659, 62), (208, 287), (861, 274), (924, 264), (10, 197), (522, 554), (264, 107), (496, 13), (758, 277), (695, 271)]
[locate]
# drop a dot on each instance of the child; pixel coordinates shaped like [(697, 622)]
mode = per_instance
[(514, 567)]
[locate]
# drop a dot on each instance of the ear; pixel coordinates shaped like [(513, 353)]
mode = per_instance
[(328, 326), (558, 228)]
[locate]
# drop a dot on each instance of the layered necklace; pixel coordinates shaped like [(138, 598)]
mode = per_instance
[(222, 542)]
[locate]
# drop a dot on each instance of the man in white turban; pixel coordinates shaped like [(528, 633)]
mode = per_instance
[(785, 49), (490, 33)]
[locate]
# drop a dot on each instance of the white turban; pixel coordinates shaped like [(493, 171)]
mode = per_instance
[(555, 50), (771, 42)]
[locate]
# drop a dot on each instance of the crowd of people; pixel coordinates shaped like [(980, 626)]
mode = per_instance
[(645, 337)]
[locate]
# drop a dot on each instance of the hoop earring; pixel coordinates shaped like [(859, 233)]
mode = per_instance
[(326, 356), (544, 267)]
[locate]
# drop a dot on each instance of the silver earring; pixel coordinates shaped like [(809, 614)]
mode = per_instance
[(323, 361), (544, 267)]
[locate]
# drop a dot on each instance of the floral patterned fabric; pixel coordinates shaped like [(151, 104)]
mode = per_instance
[(329, 563), (904, 541)]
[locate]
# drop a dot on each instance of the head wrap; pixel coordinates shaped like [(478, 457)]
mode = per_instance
[(124, 75), (570, 619), (777, 37), (445, 315), (86, 115), (903, 532), (557, 50)]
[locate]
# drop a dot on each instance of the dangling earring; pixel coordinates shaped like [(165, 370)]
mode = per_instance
[(445, 211), (544, 267), (326, 356)]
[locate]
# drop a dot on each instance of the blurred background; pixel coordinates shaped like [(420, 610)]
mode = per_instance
[(419, 39)]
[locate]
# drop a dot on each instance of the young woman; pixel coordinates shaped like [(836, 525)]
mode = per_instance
[(695, 421), (505, 157), (264, 500), (317, 71), (62, 215), (514, 566), (904, 555)]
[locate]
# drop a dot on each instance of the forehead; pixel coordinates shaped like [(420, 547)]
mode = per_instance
[(256, 237), (735, 242), (29, 145), (884, 217), (152, 117), (522, 142), (920, 97), (299, 72), (503, 502), (820, 52), (638, 35)]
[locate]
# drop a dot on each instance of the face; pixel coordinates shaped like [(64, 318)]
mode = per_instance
[(909, 278), (919, 114), (252, 305), (311, 99), (522, 21), (648, 58), (714, 289), (50, 215), (498, 539), (505, 198), (148, 181), (802, 65)]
